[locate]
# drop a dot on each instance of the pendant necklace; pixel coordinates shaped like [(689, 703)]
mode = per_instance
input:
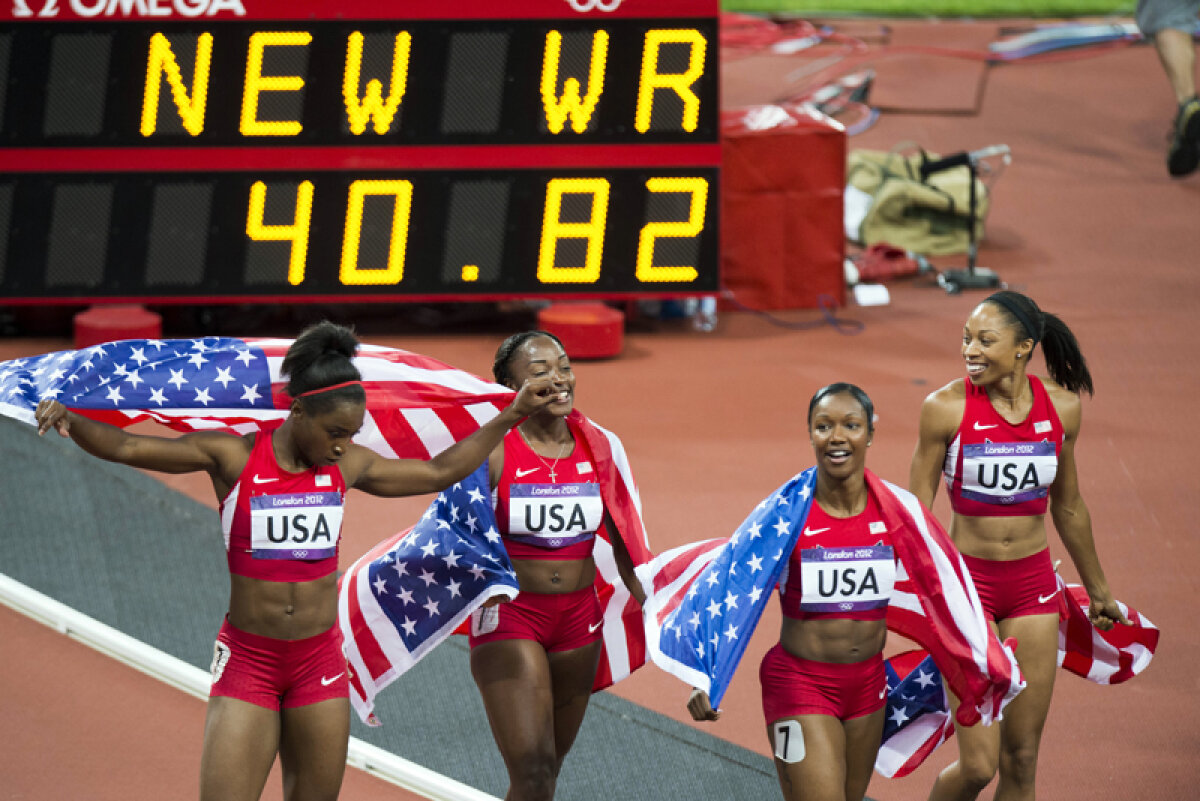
[(550, 467)]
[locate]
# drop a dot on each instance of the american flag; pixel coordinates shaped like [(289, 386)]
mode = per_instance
[(708, 598), (416, 588), (1105, 657), (413, 590), (416, 406), (919, 714)]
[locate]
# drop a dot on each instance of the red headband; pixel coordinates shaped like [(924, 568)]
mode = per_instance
[(330, 389)]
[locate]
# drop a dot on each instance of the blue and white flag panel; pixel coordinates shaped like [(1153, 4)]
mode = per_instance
[(917, 715), (411, 592), (207, 373), (708, 597)]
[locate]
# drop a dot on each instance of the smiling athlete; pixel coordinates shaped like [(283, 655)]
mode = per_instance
[(1004, 441), (535, 658), (279, 679), (824, 683)]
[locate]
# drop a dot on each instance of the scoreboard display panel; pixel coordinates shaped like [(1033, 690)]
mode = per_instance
[(312, 151)]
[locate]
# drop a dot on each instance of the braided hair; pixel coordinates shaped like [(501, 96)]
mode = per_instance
[(500, 366)]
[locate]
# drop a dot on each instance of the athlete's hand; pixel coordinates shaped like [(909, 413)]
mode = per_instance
[(52, 414), (535, 395), (1104, 611), (700, 707), (496, 600)]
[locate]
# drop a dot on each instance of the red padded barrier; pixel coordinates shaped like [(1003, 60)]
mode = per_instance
[(587, 330), (107, 323)]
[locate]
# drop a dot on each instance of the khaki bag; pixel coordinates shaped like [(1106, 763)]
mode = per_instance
[(928, 217)]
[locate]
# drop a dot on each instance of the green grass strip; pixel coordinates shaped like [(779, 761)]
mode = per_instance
[(935, 8)]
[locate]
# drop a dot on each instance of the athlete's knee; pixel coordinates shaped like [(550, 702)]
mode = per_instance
[(311, 791), (534, 778), (322, 786), (976, 770), (1018, 764)]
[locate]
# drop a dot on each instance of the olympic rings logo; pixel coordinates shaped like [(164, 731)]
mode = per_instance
[(583, 6)]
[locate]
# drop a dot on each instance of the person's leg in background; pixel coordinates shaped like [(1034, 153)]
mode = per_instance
[(1169, 24)]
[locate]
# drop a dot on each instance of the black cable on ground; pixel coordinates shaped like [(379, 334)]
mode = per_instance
[(825, 303)]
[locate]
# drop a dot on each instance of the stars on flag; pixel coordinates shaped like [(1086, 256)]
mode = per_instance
[(913, 692), (704, 630), (209, 372), (434, 571)]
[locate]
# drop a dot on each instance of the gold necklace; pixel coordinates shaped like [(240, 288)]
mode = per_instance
[(550, 467)]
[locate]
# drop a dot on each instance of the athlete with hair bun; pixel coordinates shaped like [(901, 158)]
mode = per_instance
[(1004, 442), (280, 681)]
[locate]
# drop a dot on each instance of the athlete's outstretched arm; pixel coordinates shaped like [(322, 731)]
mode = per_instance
[(378, 475), (205, 451)]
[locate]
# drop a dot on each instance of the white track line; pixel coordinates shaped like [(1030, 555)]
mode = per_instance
[(194, 681)]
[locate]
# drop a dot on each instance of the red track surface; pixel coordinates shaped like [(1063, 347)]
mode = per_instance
[(82, 725), (1085, 220)]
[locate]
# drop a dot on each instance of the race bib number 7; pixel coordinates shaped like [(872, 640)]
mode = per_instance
[(789, 741)]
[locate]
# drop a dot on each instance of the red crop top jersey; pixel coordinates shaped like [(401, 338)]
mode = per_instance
[(995, 468), (282, 526), (840, 567), (545, 516)]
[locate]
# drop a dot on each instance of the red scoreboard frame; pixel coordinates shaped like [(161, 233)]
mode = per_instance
[(220, 151)]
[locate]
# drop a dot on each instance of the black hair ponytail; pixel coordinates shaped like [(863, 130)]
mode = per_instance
[(1063, 357), (1060, 348)]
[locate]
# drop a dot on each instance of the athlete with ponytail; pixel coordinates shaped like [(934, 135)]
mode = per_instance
[(279, 676), (1004, 441)]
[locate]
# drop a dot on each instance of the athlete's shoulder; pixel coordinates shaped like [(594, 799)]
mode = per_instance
[(222, 442), (1057, 391), (1066, 403), (227, 453), (942, 411), (952, 395)]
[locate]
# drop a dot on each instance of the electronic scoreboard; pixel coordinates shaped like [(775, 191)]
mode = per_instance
[(312, 150)]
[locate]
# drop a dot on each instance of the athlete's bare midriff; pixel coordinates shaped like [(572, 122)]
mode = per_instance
[(554, 576), (834, 640), (1001, 539), (283, 610)]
